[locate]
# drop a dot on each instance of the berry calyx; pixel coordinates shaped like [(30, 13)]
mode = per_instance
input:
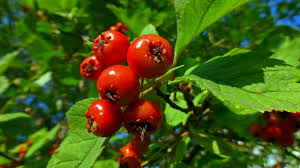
[(104, 119), (254, 130), (129, 157), (110, 47), (119, 85), (142, 118), (150, 56), (91, 68)]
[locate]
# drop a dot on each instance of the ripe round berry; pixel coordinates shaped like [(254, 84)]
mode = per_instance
[(285, 140), (150, 56), (142, 118), (104, 119), (118, 84), (142, 143), (129, 157), (270, 132), (110, 47), (91, 68), (254, 130)]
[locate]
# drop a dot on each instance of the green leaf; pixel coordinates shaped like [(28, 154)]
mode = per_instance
[(13, 124), (195, 16), (12, 116), (173, 116), (57, 6), (149, 29), (45, 78), (240, 118), (42, 141), (285, 48), (106, 163), (249, 79), (79, 149), (182, 148), (7, 59), (4, 84)]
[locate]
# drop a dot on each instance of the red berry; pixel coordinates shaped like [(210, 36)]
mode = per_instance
[(271, 117), (270, 132), (23, 149), (119, 24), (110, 47), (285, 140), (129, 157), (104, 118), (150, 56), (25, 8), (141, 144), (142, 118), (115, 28), (29, 142), (254, 130), (91, 68), (118, 84), (288, 125)]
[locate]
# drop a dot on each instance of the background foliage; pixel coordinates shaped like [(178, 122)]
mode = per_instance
[(254, 50)]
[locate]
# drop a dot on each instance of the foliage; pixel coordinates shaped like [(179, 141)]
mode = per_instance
[(233, 55)]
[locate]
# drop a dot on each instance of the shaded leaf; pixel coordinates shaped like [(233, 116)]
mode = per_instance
[(7, 59), (249, 79), (4, 84)]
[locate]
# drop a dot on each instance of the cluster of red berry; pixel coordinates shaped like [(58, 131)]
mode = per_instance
[(280, 127), (119, 26), (149, 56)]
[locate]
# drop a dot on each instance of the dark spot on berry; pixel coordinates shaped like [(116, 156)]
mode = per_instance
[(111, 95)]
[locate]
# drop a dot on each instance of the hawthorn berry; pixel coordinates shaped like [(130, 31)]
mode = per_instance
[(91, 68), (254, 130), (285, 139), (118, 84), (110, 47), (142, 118), (104, 119), (142, 144), (150, 56), (129, 157), (270, 133)]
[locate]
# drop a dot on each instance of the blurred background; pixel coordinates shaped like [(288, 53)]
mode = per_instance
[(42, 43)]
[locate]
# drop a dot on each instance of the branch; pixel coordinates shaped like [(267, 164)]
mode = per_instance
[(8, 156), (166, 97)]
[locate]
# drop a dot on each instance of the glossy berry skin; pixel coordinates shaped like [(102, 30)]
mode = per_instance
[(270, 132), (91, 68), (150, 56), (104, 119), (142, 143), (129, 157), (254, 130), (142, 118), (110, 47), (119, 85)]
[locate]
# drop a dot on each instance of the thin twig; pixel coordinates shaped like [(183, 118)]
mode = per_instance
[(166, 97), (8, 156)]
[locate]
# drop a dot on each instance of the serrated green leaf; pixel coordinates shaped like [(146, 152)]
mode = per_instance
[(79, 149), (253, 80), (195, 16), (149, 29), (7, 59), (4, 84), (37, 145)]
